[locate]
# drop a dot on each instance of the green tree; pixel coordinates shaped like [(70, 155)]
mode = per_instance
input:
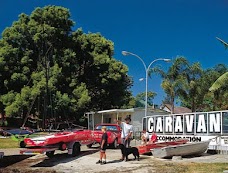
[(140, 99), (191, 93), (218, 89), (196, 94), (105, 77), (173, 79), (56, 71), (223, 79), (220, 85), (205, 98)]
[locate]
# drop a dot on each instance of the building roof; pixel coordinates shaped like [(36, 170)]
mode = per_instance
[(116, 110), (177, 110)]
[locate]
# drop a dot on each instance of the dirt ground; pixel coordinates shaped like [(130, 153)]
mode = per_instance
[(13, 162)]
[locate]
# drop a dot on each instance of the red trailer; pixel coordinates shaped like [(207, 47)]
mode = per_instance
[(67, 140)]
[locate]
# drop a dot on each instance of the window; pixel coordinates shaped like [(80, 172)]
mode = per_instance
[(107, 120), (225, 123), (109, 128)]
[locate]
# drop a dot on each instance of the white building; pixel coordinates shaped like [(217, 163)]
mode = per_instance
[(109, 116)]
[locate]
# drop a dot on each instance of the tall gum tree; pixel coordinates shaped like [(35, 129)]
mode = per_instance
[(41, 58)]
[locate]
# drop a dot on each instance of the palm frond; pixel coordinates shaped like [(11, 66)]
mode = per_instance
[(220, 82), (223, 42)]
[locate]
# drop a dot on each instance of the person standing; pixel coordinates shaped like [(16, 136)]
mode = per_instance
[(103, 146), (126, 133), (154, 137)]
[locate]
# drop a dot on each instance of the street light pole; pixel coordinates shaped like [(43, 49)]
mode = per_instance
[(125, 53)]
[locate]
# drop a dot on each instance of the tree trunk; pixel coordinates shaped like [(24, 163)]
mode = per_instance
[(28, 113), (172, 105), (193, 105)]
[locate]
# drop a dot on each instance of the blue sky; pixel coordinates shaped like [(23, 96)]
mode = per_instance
[(149, 28)]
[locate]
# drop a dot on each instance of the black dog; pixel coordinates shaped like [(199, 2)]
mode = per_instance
[(126, 151)]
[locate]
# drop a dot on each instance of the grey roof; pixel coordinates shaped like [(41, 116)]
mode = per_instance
[(178, 110)]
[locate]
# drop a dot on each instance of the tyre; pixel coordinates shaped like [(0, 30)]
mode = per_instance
[(115, 144), (76, 149), (22, 144), (50, 154), (62, 146)]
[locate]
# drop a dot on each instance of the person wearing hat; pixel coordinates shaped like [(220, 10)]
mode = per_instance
[(127, 131), (103, 146)]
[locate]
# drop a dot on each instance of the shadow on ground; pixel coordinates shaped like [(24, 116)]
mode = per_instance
[(62, 158), (10, 160)]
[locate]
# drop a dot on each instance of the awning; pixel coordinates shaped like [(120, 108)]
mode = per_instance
[(116, 111)]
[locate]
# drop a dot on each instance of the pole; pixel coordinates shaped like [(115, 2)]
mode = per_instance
[(125, 53), (146, 94)]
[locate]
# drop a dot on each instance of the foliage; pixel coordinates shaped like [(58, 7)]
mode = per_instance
[(190, 85), (223, 42), (140, 99), (191, 93), (219, 90), (56, 71), (200, 98), (173, 79), (219, 87)]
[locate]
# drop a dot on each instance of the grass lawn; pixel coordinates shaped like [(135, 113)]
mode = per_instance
[(175, 167), (12, 142), (8, 143)]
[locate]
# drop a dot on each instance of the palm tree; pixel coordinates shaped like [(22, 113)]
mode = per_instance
[(172, 80), (191, 87), (220, 82), (220, 85), (182, 81), (223, 42)]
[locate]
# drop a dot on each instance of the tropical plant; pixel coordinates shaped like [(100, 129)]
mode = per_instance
[(223, 79), (220, 82), (173, 79), (219, 87), (205, 100), (191, 92)]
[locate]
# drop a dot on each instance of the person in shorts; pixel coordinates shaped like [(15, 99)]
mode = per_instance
[(126, 133), (103, 145)]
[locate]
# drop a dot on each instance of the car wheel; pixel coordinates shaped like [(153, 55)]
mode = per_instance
[(76, 149), (22, 144), (115, 143), (62, 146)]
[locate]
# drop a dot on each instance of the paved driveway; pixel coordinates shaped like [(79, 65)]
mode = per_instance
[(86, 162)]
